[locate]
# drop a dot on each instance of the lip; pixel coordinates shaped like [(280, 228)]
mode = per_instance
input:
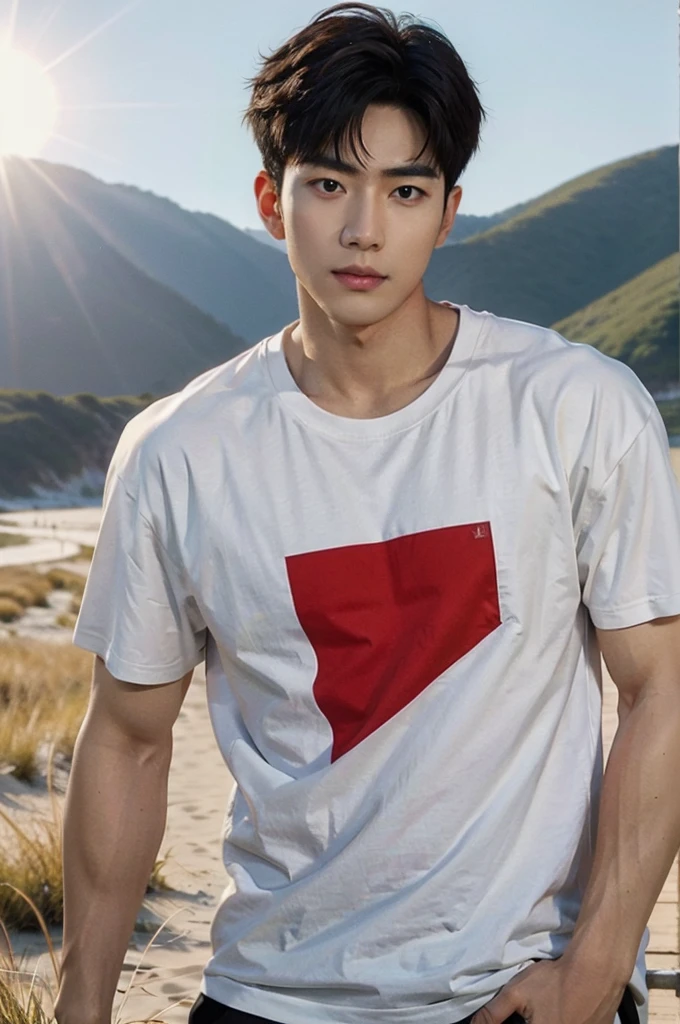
[(356, 271), (359, 283)]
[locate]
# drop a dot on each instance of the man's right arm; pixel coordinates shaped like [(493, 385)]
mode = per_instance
[(114, 821)]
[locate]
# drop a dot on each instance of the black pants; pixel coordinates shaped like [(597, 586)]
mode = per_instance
[(207, 1011)]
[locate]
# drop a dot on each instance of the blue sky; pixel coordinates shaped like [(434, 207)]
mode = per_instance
[(567, 86)]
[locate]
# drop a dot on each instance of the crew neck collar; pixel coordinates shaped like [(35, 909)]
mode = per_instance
[(297, 403)]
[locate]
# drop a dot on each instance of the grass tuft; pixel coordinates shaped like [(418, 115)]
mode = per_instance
[(44, 690), (31, 898)]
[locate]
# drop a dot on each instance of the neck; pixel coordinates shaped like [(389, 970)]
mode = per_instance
[(374, 368)]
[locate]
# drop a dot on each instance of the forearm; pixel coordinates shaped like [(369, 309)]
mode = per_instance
[(114, 821), (638, 834)]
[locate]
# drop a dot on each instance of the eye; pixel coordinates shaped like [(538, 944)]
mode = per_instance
[(411, 187), (324, 181), (332, 181)]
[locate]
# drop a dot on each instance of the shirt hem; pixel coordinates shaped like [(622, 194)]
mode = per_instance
[(291, 1010), (636, 612), (285, 1009), (124, 670)]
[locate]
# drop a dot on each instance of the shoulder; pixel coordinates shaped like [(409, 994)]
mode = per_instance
[(582, 408), (592, 404), (162, 447), (548, 357), (191, 415)]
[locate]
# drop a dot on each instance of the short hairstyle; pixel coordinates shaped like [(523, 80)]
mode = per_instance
[(312, 92)]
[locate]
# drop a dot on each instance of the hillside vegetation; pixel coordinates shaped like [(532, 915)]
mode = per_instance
[(569, 247), (45, 439), (638, 323)]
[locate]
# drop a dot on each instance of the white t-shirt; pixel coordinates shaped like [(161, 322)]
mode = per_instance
[(402, 671)]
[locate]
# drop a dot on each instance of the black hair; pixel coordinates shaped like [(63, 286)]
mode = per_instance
[(312, 92)]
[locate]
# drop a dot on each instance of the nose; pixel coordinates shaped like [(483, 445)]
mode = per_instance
[(363, 226)]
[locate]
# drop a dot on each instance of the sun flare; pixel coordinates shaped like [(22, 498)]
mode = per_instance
[(28, 105)]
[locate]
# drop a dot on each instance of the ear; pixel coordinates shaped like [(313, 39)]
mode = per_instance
[(452, 204), (269, 205)]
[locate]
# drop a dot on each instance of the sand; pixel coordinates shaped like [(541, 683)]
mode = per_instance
[(169, 975), (199, 789)]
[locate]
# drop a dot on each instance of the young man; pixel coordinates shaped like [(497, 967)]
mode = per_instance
[(400, 532)]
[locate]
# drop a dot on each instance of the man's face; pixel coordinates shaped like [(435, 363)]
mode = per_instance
[(332, 218)]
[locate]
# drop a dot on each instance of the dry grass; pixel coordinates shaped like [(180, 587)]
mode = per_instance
[(44, 691), (25, 996), (10, 609), (31, 897), (10, 539), (22, 586), (25, 585), (34, 866)]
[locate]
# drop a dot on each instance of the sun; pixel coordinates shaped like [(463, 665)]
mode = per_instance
[(28, 105)]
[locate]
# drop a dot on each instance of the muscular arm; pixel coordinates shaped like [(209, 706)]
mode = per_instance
[(639, 824), (114, 821), (637, 838)]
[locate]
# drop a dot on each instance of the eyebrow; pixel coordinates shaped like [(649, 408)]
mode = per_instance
[(405, 171)]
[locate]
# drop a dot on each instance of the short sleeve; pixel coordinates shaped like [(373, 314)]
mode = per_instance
[(629, 550), (136, 611)]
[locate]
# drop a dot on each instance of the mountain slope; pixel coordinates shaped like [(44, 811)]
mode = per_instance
[(75, 315), (222, 270), (570, 246), (58, 446), (88, 266), (543, 260), (638, 323)]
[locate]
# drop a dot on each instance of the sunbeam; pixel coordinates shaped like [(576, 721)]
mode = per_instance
[(86, 149), (42, 29), (11, 24), (7, 192), (91, 35), (126, 106), (28, 104), (7, 269), (56, 248), (97, 226)]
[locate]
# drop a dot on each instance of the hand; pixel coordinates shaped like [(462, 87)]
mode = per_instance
[(561, 991)]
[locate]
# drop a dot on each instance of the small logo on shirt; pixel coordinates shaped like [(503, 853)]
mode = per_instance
[(478, 532)]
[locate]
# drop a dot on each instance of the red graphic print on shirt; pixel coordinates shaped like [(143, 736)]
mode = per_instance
[(386, 619)]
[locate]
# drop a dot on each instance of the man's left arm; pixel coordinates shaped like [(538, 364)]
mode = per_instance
[(639, 817), (637, 839)]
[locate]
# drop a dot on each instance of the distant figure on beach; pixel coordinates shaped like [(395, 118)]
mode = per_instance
[(399, 533)]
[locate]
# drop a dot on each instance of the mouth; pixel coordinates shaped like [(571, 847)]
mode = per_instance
[(358, 281), (355, 271)]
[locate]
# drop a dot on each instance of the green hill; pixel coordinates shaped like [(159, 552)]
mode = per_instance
[(670, 412), (569, 247), (51, 441), (638, 323)]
